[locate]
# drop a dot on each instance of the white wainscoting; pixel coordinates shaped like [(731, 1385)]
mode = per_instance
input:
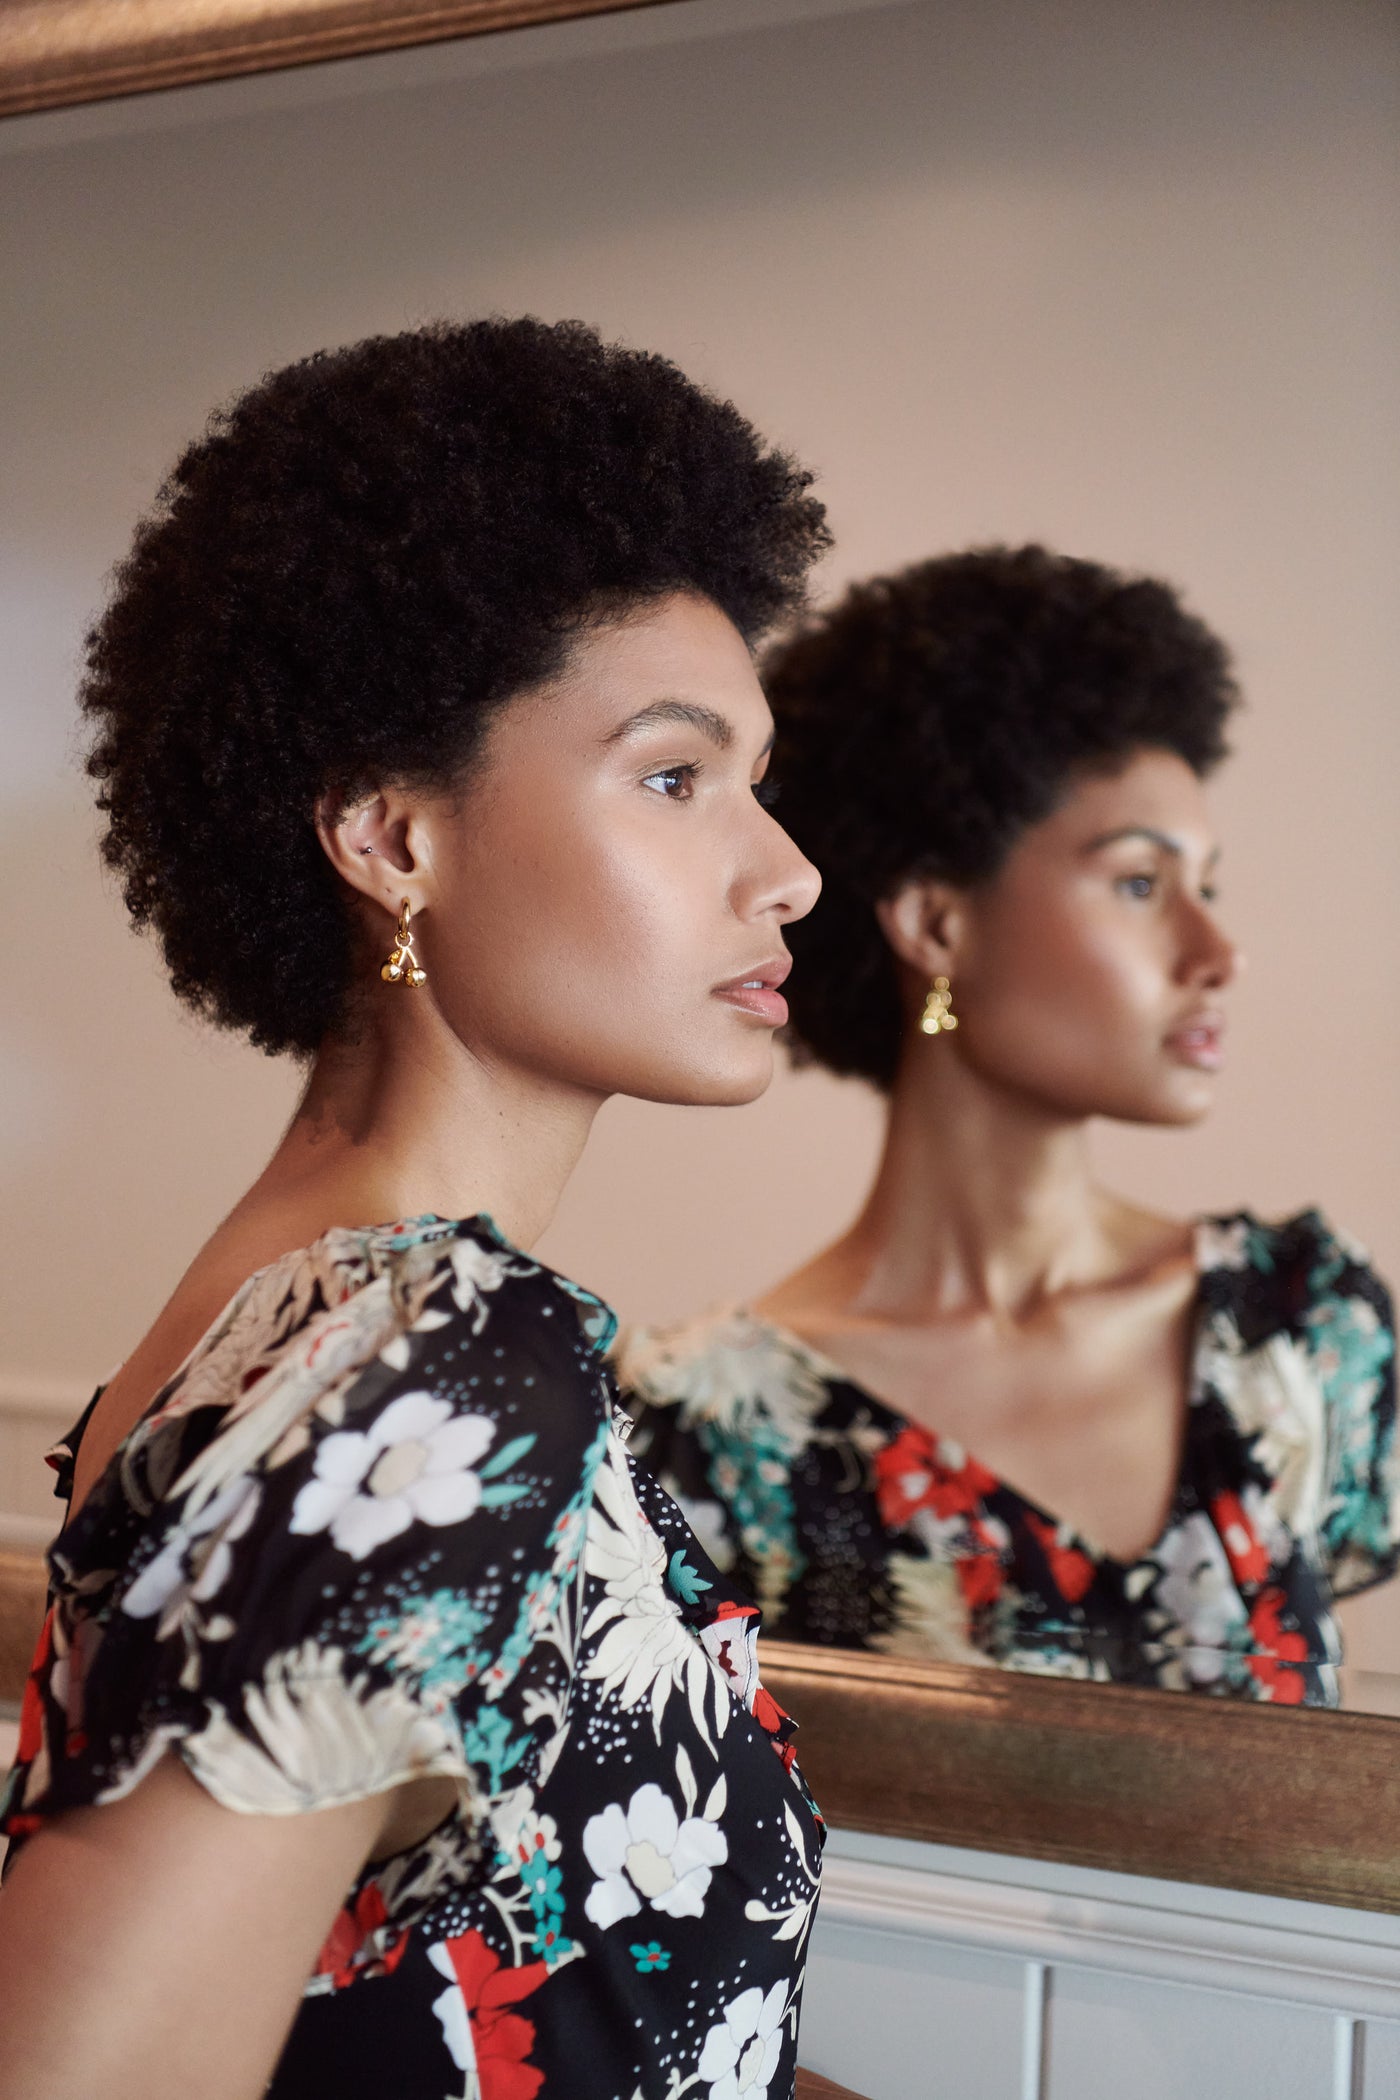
[(937, 1972)]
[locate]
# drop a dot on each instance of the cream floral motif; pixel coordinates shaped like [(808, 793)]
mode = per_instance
[(414, 1464), (202, 1549), (1274, 1393), (721, 1367), (647, 1853), (930, 1618), (646, 1650), (740, 2055), (478, 1271), (313, 1736)]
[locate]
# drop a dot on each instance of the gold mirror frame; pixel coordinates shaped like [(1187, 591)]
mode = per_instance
[(1151, 1783), (1179, 1786), (54, 53), (1158, 1783)]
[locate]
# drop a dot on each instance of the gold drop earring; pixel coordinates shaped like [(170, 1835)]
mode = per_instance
[(402, 966), (938, 1016)]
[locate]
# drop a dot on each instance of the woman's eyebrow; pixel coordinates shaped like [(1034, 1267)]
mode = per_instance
[(689, 713), (1154, 837)]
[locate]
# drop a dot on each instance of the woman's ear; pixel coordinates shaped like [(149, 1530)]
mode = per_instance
[(924, 923), (380, 846)]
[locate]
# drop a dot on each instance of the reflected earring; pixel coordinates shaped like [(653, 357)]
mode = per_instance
[(402, 966), (938, 1017)]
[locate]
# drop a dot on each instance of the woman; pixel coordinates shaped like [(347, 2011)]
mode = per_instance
[(430, 744), (1009, 1416)]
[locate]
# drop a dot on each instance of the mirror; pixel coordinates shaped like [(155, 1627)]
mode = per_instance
[(1121, 285)]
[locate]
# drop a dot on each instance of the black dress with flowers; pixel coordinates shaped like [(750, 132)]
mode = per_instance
[(383, 1525), (858, 1528)]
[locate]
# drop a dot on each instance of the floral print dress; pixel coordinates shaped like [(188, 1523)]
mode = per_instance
[(382, 1525), (856, 1527)]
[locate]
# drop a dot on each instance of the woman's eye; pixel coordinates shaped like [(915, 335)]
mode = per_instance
[(1137, 885), (766, 792), (676, 783), (1210, 894)]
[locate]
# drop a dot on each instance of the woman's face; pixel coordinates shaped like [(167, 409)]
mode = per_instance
[(1090, 973), (609, 892)]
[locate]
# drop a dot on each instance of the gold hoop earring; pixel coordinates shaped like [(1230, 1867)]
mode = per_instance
[(402, 966), (938, 1016)]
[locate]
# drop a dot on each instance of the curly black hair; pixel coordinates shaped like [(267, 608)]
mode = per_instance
[(928, 718), (362, 559)]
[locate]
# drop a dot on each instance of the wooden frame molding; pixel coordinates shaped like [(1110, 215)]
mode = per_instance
[(57, 52), (1277, 1801), (1274, 1800)]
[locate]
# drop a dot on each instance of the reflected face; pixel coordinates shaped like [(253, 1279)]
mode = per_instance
[(1093, 970), (611, 892)]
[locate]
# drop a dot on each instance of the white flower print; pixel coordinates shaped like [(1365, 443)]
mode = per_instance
[(1198, 1590), (646, 1852), (647, 1651), (478, 1270), (741, 2055), (228, 1515), (413, 1464), (451, 2009)]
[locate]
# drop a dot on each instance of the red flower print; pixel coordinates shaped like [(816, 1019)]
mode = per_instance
[(1278, 1655), (910, 1475), (339, 1958), (502, 2039), (1071, 1571), (980, 1574), (1249, 1561)]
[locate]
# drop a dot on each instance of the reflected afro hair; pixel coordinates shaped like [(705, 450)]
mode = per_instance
[(930, 717), (360, 561)]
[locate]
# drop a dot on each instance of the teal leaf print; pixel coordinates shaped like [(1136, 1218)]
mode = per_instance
[(506, 1457), (687, 1582), (489, 1743)]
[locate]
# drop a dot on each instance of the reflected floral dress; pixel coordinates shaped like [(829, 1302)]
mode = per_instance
[(856, 1527), (383, 1524)]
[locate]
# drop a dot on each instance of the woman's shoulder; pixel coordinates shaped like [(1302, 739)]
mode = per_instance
[(723, 1359), (341, 1329), (1286, 1276)]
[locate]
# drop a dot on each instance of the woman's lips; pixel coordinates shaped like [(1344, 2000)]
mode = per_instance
[(757, 999), (1201, 1043), (756, 992)]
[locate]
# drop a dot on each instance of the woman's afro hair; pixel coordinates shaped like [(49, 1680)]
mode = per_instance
[(928, 718), (362, 558)]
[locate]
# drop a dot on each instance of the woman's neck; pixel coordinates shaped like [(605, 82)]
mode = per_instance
[(983, 1203), (404, 1121)]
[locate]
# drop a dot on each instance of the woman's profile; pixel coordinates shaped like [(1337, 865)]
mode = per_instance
[(430, 743), (1009, 1416)]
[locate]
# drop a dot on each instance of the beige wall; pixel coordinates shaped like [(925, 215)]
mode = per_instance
[(1116, 274)]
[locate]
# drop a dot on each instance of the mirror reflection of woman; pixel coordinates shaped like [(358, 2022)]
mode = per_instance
[(1008, 1415), (388, 1735)]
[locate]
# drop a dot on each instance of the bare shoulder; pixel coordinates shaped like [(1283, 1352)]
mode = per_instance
[(237, 1250)]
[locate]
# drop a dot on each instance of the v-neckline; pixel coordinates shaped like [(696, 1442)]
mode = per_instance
[(832, 1373)]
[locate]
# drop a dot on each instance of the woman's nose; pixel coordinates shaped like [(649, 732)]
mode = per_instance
[(1219, 960), (790, 885)]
